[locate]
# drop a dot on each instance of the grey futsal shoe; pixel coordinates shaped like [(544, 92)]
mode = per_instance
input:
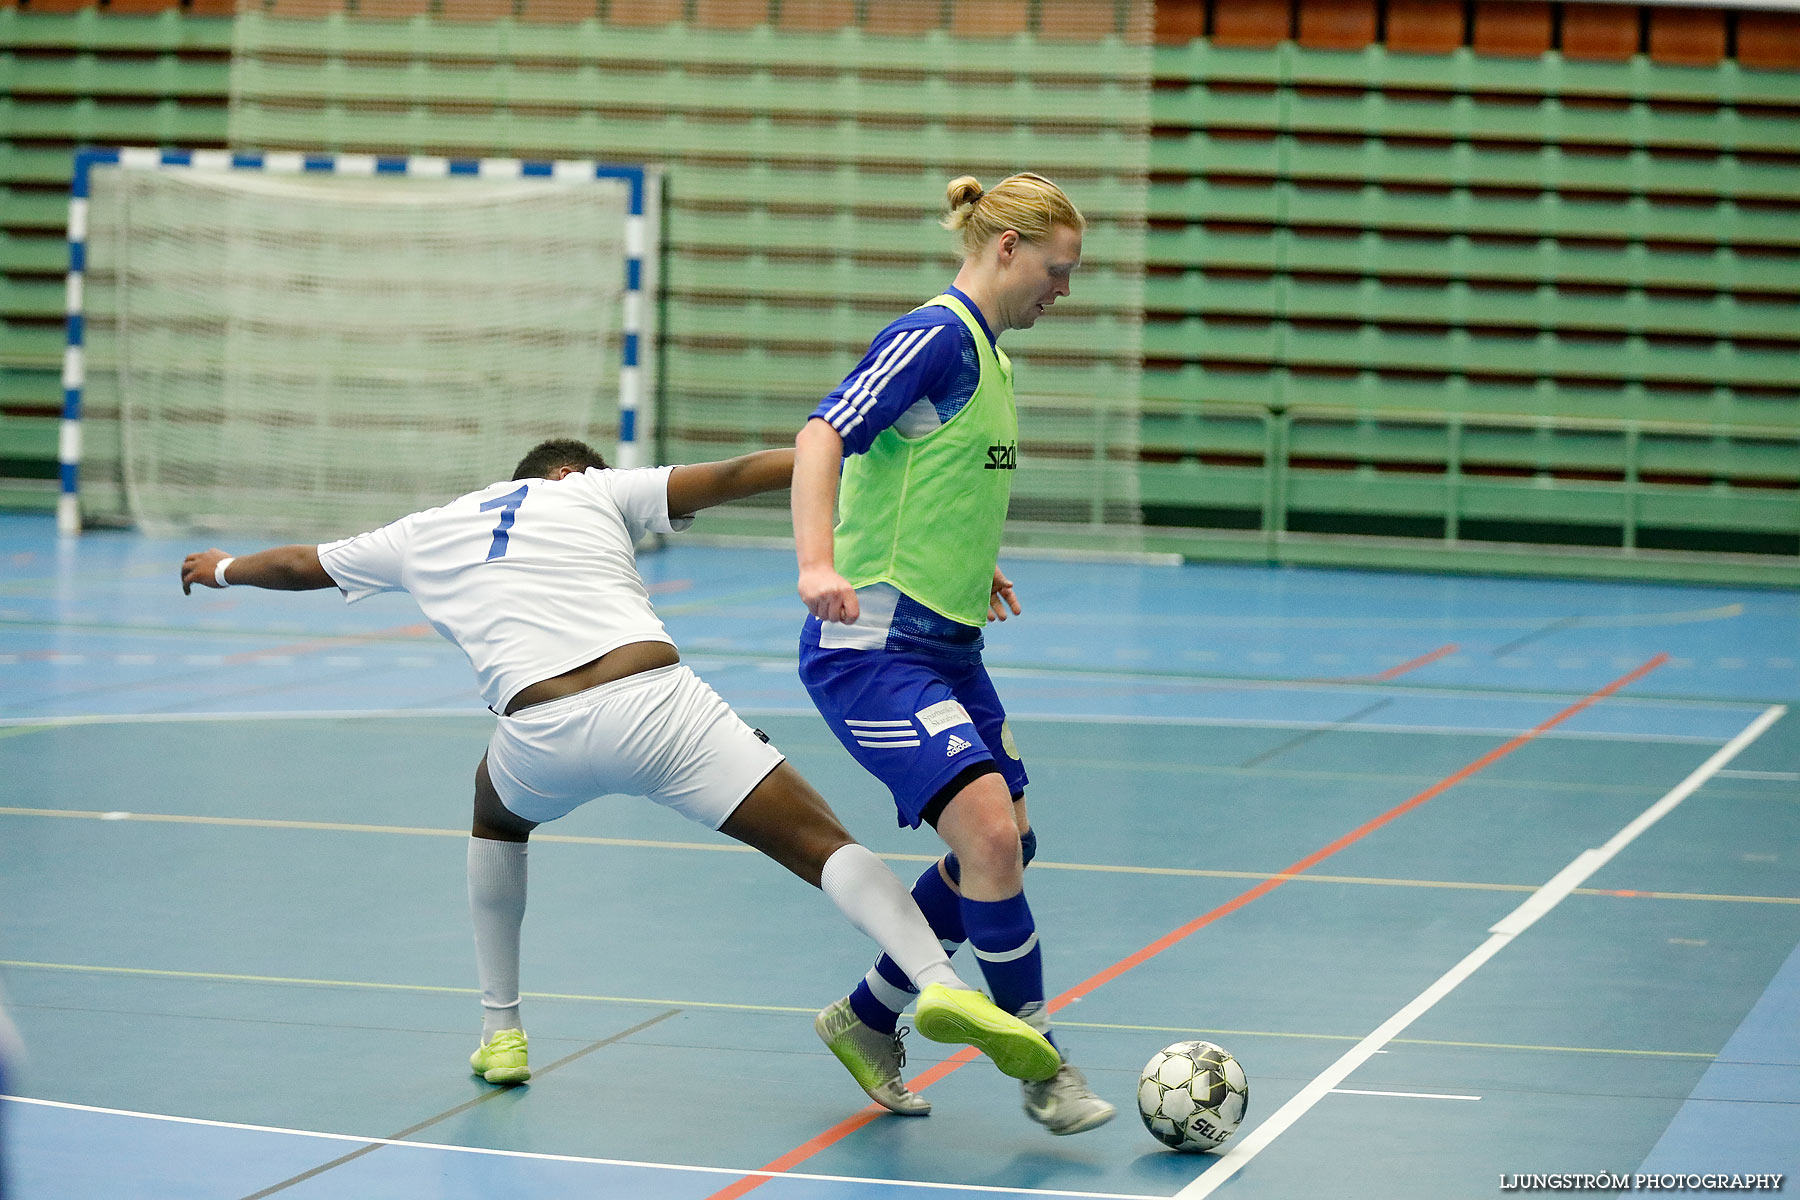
[(873, 1058), (1064, 1103)]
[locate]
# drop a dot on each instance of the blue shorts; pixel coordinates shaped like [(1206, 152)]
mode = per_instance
[(915, 721)]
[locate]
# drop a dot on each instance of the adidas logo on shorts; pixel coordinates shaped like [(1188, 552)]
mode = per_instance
[(956, 746)]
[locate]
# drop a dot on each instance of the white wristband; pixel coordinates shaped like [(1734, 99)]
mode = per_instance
[(219, 572)]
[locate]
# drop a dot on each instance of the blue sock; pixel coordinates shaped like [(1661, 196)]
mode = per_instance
[(885, 991), (1005, 941)]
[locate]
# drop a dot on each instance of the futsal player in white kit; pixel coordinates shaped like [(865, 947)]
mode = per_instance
[(535, 579)]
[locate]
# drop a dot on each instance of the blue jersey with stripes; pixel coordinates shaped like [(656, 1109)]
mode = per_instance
[(918, 373)]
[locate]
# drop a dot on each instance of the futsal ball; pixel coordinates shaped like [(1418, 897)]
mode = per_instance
[(1192, 1095)]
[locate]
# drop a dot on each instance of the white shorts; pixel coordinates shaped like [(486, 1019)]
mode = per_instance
[(663, 734)]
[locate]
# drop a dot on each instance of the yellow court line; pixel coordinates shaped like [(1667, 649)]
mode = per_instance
[(737, 848), (582, 997), (1383, 881), (373, 986), (1575, 787), (350, 827)]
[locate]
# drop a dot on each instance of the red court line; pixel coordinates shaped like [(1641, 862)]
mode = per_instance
[(1415, 664), (926, 1078), (331, 643), (1380, 677)]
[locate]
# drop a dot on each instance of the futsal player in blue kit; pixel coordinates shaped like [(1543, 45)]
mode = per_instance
[(923, 438)]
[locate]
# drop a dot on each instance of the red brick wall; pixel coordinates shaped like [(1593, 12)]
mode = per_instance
[(1679, 36)]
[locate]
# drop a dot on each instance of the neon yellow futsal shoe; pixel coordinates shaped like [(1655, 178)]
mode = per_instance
[(946, 1014), (502, 1058)]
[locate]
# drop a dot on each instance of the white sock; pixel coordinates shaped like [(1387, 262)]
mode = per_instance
[(497, 908), (876, 902)]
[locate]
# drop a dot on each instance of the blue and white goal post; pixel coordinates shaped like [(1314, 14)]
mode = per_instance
[(390, 327)]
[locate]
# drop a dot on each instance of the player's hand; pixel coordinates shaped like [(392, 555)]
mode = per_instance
[(199, 568), (1002, 598), (829, 596)]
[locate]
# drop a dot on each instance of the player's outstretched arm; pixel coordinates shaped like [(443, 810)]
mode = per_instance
[(702, 485), (283, 569)]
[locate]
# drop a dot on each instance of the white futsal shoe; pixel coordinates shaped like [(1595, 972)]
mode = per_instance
[(1065, 1104)]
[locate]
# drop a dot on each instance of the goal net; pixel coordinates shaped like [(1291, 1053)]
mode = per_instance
[(315, 352)]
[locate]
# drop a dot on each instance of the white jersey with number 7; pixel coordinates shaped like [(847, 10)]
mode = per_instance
[(530, 578)]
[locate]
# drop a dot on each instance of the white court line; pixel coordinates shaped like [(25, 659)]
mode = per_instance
[(345, 714), (319, 714), (1692, 616), (1508, 928), (735, 1172), (1365, 684), (1335, 726), (1406, 1095), (1147, 558), (711, 657)]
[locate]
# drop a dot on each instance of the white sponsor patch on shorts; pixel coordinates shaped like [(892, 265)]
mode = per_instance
[(945, 714)]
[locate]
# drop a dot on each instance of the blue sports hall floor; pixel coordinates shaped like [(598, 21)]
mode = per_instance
[(1480, 878)]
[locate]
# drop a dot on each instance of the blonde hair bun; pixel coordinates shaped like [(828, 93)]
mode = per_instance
[(1027, 203), (962, 193), (964, 189)]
